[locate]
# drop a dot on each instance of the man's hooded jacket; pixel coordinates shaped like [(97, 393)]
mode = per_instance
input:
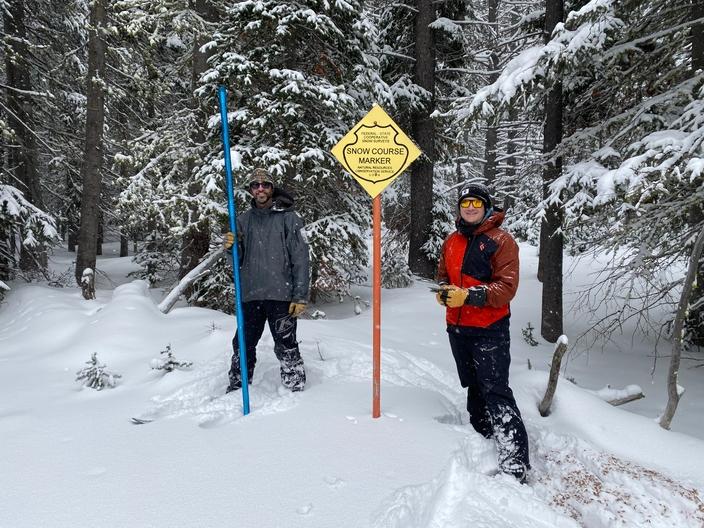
[(273, 252)]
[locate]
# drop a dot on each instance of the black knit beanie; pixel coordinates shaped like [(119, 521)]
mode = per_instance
[(476, 190)]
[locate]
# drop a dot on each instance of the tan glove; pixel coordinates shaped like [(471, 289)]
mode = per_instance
[(452, 296), (296, 308), (228, 239)]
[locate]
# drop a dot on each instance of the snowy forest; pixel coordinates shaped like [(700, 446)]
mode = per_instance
[(586, 118)]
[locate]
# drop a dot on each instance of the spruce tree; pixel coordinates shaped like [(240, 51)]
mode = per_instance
[(300, 75)]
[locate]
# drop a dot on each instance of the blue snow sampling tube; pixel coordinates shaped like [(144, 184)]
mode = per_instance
[(222, 92)]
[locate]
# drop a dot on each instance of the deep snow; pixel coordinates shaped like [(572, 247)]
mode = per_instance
[(71, 457)]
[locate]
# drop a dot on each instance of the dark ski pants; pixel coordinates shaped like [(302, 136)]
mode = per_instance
[(483, 358), (283, 329)]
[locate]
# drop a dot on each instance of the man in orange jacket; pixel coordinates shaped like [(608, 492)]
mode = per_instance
[(478, 276)]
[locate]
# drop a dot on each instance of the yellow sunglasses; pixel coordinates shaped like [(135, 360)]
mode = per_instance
[(474, 202)]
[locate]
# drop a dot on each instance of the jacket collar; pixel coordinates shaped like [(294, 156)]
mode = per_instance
[(280, 201)]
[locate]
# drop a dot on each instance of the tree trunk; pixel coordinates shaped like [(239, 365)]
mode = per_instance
[(72, 240), (695, 317), (22, 157), (673, 389), (551, 239), (490, 141), (196, 239), (510, 161), (124, 246), (491, 138), (423, 131), (93, 153), (697, 36), (101, 234)]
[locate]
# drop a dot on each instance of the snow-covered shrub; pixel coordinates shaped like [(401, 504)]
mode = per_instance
[(157, 258), (339, 253), (443, 219), (395, 272), (318, 314), (21, 221), (95, 375), (168, 362)]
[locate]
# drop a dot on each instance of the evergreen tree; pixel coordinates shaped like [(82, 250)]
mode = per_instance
[(300, 76)]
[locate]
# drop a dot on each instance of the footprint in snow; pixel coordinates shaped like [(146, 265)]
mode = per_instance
[(334, 482), (305, 510)]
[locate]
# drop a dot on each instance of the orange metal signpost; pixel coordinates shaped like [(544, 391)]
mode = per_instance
[(375, 152), (376, 310)]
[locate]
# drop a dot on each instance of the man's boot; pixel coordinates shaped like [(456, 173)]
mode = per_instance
[(293, 374)]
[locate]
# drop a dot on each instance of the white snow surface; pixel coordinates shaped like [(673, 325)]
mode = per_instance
[(71, 457)]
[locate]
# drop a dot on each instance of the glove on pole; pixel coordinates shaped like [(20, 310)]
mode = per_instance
[(222, 92)]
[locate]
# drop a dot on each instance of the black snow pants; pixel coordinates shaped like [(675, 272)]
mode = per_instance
[(483, 358), (283, 329)]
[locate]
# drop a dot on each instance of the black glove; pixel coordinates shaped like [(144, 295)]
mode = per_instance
[(476, 296)]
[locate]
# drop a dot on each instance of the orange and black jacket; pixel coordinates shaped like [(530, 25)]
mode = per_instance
[(489, 257)]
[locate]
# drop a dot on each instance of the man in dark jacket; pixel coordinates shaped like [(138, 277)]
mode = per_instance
[(274, 276), (478, 274)]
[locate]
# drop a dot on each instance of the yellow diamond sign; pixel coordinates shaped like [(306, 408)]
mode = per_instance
[(375, 151)]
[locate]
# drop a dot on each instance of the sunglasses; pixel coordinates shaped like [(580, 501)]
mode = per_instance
[(474, 202), (263, 185)]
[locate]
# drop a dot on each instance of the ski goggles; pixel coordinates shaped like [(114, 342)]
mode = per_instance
[(474, 202), (264, 185)]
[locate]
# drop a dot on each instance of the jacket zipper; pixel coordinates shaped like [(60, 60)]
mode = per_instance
[(466, 252)]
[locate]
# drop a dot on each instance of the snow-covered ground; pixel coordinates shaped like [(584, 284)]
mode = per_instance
[(70, 456)]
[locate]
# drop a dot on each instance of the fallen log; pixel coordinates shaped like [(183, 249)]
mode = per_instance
[(193, 275), (617, 397)]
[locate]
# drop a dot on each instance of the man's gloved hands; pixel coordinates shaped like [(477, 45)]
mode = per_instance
[(451, 296), (296, 308), (228, 239), (454, 296)]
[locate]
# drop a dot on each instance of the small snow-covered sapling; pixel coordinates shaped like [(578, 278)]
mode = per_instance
[(528, 335), (169, 363), (95, 375)]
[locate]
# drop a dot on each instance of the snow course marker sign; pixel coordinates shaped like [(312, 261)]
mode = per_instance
[(375, 151)]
